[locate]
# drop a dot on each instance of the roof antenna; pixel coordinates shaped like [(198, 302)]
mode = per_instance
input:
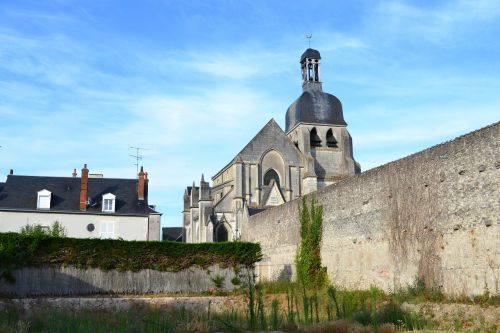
[(137, 157), (309, 36)]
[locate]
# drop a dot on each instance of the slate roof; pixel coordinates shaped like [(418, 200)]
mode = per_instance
[(253, 211), (172, 234), (314, 106), (20, 193), (190, 188), (311, 54), (270, 136)]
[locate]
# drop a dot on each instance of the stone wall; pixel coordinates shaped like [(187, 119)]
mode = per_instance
[(125, 303), (58, 281), (434, 214)]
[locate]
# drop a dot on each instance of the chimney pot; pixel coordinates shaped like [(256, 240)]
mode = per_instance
[(11, 172), (74, 174)]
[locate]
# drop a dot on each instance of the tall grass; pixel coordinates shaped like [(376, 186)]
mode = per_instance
[(325, 310)]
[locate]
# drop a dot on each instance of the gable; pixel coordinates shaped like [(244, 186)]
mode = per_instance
[(271, 136), (272, 195)]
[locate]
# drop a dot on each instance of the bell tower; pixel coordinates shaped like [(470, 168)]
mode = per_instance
[(315, 123), (310, 63)]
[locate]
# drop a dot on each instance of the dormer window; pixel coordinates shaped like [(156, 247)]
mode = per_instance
[(108, 203), (43, 199)]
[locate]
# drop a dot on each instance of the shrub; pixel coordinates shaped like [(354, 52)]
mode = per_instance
[(55, 230), (20, 250)]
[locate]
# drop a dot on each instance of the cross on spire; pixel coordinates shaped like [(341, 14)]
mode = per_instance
[(309, 36)]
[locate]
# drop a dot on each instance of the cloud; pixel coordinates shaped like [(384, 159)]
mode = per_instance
[(425, 124), (437, 23), (69, 97)]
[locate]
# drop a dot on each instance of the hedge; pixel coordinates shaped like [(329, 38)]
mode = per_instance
[(18, 250)]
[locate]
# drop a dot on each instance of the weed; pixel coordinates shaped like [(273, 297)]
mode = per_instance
[(218, 281), (310, 273), (275, 316), (236, 281)]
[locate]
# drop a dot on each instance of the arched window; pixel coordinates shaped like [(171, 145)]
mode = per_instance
[(271, 174), (221, 234), (314, 138), (330, 139)]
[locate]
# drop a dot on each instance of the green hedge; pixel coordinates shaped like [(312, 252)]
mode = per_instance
[(18, 250)]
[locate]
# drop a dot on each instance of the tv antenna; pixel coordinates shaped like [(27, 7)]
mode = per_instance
[(309, 36), (138, 157)]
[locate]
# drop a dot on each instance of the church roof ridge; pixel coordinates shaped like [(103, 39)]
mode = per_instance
[(270, 123)]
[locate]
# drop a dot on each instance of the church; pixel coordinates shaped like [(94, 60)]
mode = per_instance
[(276, 166)]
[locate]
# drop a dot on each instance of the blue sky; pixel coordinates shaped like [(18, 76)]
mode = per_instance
[(194, 81)]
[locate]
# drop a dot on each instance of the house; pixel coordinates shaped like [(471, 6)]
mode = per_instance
[(89, 206)]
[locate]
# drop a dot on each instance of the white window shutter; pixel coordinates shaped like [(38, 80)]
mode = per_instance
[(111, 229), (107, 229)]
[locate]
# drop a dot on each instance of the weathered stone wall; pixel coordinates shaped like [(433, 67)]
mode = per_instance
[(125, 303), (58, 281), (434, 214)]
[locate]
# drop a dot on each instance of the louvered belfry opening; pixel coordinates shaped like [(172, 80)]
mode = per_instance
[(314, 138), (330, 139)]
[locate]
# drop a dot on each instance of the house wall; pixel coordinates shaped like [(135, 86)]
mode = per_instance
[(126, 227), (154, 227), (434, 214)]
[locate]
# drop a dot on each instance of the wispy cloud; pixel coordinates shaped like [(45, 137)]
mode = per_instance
[(78, 86), (436, 23)]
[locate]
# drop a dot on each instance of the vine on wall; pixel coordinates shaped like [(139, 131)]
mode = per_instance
[(310, 272)]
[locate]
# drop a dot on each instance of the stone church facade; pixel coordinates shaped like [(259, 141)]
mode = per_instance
[(276, 166)]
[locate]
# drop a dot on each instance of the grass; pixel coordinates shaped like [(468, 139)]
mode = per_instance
[(136, 320), (329, 309), (279, 305), (157, 320)]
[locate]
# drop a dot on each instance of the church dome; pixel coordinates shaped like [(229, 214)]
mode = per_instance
[(311, 54), (317, 107)]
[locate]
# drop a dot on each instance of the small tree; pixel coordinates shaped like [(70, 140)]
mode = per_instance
[(308, 259), (55, 230)]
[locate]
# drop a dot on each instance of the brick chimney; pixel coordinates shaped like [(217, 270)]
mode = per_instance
[(146, 185), (83, 188), (140, 184)]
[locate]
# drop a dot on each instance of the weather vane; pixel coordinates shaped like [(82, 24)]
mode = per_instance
[(309, 36)]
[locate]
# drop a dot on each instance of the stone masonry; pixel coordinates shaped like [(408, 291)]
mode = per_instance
[(434, 215)]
